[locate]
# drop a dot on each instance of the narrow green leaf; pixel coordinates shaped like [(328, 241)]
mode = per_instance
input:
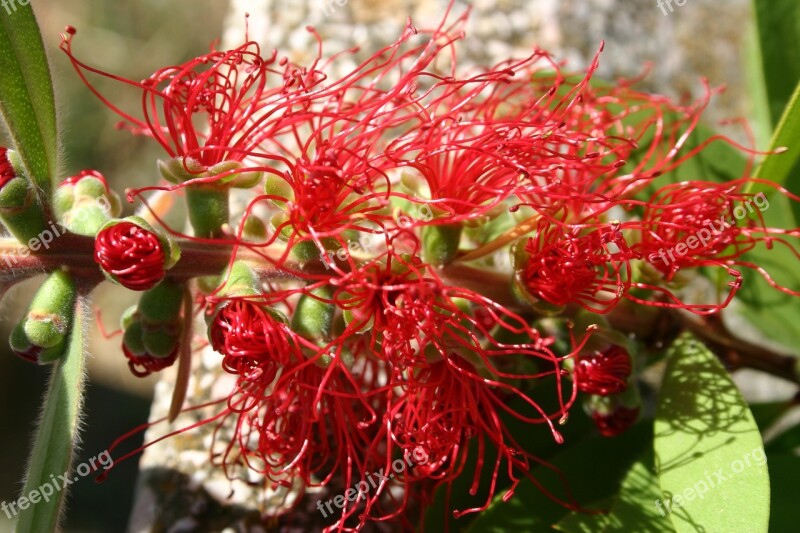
[(777, 167), (26, 93), (778, 35), (778, 25), (709, 455), (58, 430)]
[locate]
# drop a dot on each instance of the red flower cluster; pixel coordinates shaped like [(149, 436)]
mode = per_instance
[(393, 350)]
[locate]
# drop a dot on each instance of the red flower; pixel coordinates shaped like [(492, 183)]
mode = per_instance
[(213, 108), (144, 364), (617, 421), (131, 255), (248, 335), (564, 267), (603, 373), (7, 172)]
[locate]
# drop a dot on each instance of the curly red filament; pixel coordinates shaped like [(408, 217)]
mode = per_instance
[(603, 372), (132, 255)]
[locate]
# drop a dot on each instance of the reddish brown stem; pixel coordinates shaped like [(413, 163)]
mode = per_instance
[(76, 253)]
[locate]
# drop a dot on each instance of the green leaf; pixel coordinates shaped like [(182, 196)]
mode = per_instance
[(583, 522), (593, 471), (709, 455), (778, 29), (766, 414), (786, 442), (778, 25), (57, 434), (637, 507), (784, 473), (777, 167), (536, 441), (26, 94), (775, 313)]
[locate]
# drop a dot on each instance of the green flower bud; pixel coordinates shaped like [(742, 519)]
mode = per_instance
[(254, 230), (279, 188), (179, 170), (152, 329), (84, 203), (313, 317), (160, 342), (162, 303), (41, 335), (440, 243), (240, 177), (209, 209), (21, 207)]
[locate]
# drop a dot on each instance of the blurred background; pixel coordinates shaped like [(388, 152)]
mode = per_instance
[(133, 39)]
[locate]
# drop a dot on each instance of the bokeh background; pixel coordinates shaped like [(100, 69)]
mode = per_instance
[(133, 39)]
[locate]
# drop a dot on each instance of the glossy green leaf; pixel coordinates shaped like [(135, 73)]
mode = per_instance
[(637, 507), (784, 471), (593, 471), (709, 455), (54, 447), (26, 93)]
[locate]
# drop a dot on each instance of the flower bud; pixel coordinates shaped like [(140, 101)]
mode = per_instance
[(131, 253), (603, 373), (614, 414), (41, 335), (208, 202), (440, 243), (313, 315), (238, 175), (152, 329), (279, 190), (21, 209), (180, 169), (84, 203), (249, 334)]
